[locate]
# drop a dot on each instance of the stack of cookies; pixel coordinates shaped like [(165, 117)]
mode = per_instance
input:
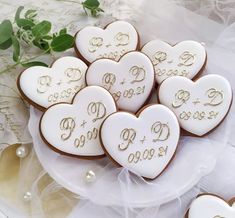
[(97, 105)]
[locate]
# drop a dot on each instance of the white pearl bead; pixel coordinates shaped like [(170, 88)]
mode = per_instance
[(90, 176), (27, 196), (22, 151)]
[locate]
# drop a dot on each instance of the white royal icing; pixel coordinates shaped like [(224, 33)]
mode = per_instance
[(74, 128), (130, 80), (112, 42), (46, 86), (183, 59), (145, 144), (209, 206), (200, 106)]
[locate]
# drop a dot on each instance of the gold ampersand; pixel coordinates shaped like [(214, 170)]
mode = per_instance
[(128, 136), (161, 131), (181, 97), (159, 57), (67, 124), (95, 43), (96, 109), (108, 80), (216, 97), (139, 74), (121, 39), (74, 74), (186, 59), (44, 83)]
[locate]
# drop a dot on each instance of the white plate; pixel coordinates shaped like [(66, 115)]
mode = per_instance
[(195, 158)]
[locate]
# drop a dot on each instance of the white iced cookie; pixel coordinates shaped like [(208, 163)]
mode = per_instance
[(43, 86), (130, 80), (74, 128), (186, 58), (144, 144), (210, 206), (116, 39), (201, 105)]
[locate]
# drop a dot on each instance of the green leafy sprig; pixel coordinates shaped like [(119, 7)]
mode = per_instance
[(93, 6), (89, 6), (27, 31)]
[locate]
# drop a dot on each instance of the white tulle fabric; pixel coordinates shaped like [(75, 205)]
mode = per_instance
[(201, 164)]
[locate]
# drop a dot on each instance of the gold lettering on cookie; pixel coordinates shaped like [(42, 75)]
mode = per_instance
[(108, 80), (80, 141), (161, 131), (181, 97), (216, 97), (162, 151), (198, 115), (138, 73), (212, 115), (67, 124), (121, 39), (185, 115), (128, 136), (74, 74), (136, 157), (96, 109), (187, 59), (117, 95), (44, 82), (95, 43), (171, 72), (159, 57)]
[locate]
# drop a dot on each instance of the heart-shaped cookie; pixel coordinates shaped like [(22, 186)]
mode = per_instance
[(116, 39), (186, 58), (43, 86), (199, 106), (130, 80), (144, 144), (73, 129), (211, 206)]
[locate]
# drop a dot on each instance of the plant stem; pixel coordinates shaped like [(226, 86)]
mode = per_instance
[(9, 68), (71, 1), (37, 56), (23, 62)]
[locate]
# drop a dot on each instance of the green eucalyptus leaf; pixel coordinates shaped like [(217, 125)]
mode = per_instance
[(30, 14), (62, 42), (54, 35), (34, 63), (16, 48), (5, 31), (42, 44), (24, 23), (41, 29), (63, 31), (91, 4), (5, 45), (47, 37), (18, 12)]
